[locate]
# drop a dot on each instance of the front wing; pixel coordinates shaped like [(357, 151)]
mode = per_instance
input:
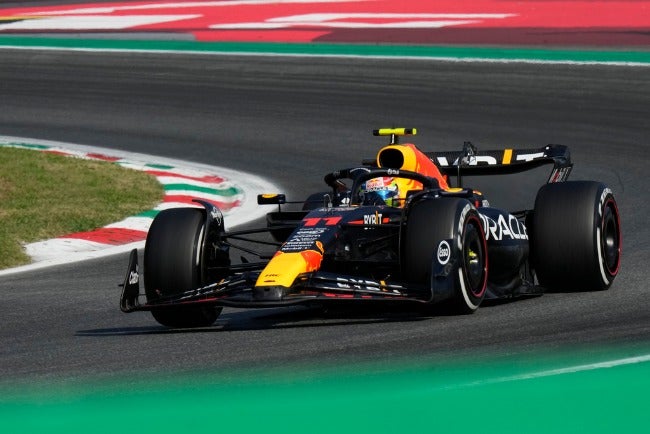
[(237, 291)]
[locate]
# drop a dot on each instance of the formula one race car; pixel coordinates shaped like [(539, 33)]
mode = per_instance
[(392, 230)]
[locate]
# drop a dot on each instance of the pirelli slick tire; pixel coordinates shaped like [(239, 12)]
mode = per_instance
[(576, 236), (172, 265), (447, 230)]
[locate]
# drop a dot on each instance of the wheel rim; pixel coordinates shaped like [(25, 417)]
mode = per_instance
[(474, 260), (611, 238)]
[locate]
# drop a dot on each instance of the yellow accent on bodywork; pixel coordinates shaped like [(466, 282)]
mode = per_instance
[(507, 156), (396, 131), (284, 268), (459, 189)]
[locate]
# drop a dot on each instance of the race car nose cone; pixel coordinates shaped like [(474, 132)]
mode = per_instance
[(283, 269)]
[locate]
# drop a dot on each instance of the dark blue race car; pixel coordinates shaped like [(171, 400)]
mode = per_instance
[(400, 228)]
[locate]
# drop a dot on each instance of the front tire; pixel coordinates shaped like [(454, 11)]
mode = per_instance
[(172, 264), (576, 237), (430, 224)]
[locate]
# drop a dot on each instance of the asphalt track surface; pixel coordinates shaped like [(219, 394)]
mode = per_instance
[(292, 120)]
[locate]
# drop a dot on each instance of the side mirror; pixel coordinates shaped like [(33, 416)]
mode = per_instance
[(271, 199)]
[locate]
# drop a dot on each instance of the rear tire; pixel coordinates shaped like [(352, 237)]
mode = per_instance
[(429, 223), (576, 236), (172, 265)]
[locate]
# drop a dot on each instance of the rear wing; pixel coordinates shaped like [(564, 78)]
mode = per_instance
[(471, 162)]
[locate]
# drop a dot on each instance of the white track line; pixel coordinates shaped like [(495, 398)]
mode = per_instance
[(560, 371)]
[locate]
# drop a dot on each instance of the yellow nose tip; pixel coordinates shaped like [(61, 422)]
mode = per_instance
[(284, 268)]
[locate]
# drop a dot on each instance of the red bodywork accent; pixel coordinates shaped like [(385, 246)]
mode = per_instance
[(329, 221), (427, 167), (313, 259)]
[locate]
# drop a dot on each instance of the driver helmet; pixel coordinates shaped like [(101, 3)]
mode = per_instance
[(380, 191)]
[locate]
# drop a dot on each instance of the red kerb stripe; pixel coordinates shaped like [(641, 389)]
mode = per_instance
[(113, 236), (208, 178)]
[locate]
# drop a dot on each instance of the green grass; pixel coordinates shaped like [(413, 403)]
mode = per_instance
[(44, 195)]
